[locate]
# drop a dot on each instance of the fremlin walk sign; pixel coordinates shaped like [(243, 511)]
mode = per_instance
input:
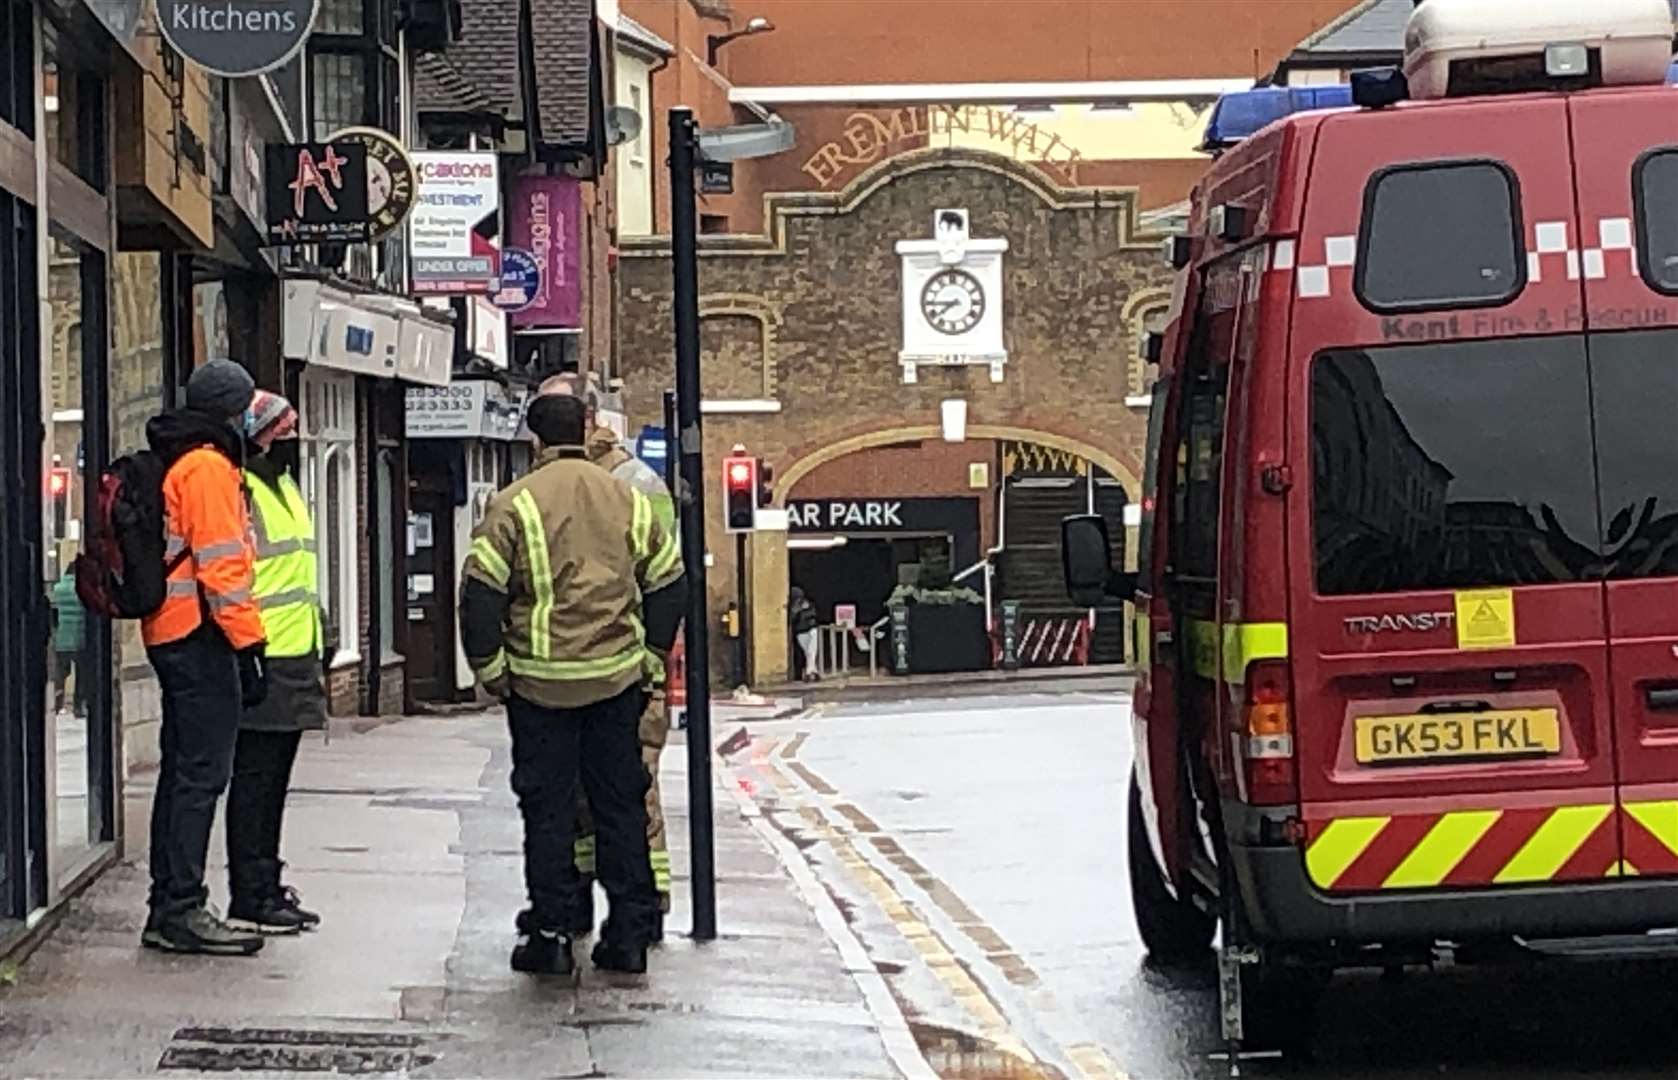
[(236, 38)]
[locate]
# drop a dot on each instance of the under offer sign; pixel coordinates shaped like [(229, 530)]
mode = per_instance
[(458, 191)]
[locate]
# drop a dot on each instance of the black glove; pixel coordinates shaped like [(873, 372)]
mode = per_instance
[(253, 676)]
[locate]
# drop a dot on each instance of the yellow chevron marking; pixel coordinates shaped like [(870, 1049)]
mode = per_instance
[(1622, 868), (1660, 818), (1554, 842), (1338, 847), (1451, 837)]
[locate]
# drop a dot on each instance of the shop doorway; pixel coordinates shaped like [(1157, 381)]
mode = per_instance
[(431, 571)]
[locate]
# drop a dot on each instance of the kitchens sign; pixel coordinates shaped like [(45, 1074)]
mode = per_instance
[(236, 38)]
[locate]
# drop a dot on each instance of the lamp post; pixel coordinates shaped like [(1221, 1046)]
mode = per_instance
[(715, 42)]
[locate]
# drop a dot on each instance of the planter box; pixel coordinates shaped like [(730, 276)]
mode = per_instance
[(948, 638)]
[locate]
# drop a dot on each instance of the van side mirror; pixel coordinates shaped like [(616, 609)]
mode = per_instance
[(1087, 560)]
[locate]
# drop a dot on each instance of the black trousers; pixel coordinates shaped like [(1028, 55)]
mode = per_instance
[(599, 745), (200, 680), (262, 765)]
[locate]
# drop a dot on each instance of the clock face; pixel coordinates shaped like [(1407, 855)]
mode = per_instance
[(953, 301)]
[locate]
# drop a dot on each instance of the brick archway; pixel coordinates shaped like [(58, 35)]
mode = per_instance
[(787, 480)]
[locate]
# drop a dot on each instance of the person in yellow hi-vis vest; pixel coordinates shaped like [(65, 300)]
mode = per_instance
[(287, 594), (606, 451)]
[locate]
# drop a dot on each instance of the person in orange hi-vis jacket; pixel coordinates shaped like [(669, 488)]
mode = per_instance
[(206, 644)]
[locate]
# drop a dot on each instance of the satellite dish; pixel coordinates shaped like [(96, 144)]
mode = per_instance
[(623, 124)]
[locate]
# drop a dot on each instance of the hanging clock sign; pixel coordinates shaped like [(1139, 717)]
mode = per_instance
[(391, 186), (236, 38)]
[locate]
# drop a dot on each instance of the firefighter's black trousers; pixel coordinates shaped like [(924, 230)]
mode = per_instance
[(599, 745)]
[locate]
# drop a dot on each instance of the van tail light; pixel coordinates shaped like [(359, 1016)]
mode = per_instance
[(1267, 738)]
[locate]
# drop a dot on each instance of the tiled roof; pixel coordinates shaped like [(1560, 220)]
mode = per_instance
[(487, 54), (440, 88), (561, 31), (1372, 26)]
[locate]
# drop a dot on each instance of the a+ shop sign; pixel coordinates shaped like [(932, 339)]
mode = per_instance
[(391, 189), (236, 38)]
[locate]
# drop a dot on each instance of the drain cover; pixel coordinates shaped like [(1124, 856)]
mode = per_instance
[(349, 1053)]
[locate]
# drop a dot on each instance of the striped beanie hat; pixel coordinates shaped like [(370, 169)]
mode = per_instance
[(271, 418)]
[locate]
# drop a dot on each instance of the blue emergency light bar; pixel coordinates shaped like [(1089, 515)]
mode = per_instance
[(1237, 116)]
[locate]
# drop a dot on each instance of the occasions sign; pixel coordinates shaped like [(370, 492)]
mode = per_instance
[(544, 219), (236, 38)]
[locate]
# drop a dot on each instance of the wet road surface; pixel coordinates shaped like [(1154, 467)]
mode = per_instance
[(977, 848)]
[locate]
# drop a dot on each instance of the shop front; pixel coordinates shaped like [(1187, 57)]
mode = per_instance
[(58, 740), (350, 355), (460, 452)]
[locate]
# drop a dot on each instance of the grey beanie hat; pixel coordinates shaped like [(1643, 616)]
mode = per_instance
[(220, 389)]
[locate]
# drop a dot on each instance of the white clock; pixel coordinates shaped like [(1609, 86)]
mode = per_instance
[(953, 301)]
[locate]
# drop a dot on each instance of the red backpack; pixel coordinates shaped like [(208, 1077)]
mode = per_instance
[(123, 573)]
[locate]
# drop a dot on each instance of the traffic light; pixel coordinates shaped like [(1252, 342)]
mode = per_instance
[(739, 485), (765, 483), (58, 493)]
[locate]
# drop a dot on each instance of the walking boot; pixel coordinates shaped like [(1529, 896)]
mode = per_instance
[(611, 956), (308, 919), (269, 915), (200, 931), (543, 952)]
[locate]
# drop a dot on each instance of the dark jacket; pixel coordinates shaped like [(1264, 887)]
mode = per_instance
[(296, 698), (803, 616)]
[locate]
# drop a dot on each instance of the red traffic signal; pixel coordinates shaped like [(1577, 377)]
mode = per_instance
[(739, 483), (58, 482)]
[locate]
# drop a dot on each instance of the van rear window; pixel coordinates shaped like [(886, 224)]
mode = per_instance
[(1657, 219), (1442, 235), (1453, 465)]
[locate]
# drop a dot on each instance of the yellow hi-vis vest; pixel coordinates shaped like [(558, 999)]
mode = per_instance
[(286, 588)]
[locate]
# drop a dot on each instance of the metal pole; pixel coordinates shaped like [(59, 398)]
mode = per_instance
[(740, 605), (684, 237), (672, 457)]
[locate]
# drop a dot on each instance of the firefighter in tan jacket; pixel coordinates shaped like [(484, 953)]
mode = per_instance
[(606, 451), (569, 581)]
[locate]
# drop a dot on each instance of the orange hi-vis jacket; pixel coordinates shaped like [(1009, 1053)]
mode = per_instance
[(206, 516)]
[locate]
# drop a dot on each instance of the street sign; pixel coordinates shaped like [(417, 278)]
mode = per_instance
[(236, 38), (521, 280), (716, 178)]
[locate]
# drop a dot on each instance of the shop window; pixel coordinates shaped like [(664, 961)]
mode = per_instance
[(74, 106), (77, 658), (17, 65), (1143, 373), (329, 480)]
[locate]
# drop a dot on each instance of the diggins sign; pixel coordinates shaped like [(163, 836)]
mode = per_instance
[(236, 38), (544, 219)]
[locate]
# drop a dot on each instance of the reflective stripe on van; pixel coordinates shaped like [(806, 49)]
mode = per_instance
[(1244, 644), (1465, 848)]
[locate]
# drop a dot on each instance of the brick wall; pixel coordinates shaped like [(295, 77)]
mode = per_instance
[(927, 468), (822, 289)]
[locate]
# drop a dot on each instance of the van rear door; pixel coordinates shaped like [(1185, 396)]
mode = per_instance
[(1446, 614), (1626, 161)]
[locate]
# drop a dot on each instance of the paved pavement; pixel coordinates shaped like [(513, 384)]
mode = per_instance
[(978, 848), (407, 840), (913, 888)]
